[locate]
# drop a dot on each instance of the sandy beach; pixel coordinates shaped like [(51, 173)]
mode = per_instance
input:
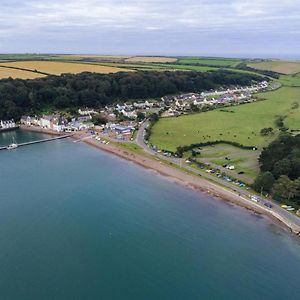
[(186, 179)]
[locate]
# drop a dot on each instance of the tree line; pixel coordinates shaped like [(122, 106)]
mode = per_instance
[(19, 96), (280, 169)]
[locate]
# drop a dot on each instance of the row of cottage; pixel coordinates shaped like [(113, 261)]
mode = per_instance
[(8, 124), (58, 123), (183, 102)]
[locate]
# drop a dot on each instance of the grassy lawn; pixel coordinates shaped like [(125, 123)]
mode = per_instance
[(131, 147), (243, 160)]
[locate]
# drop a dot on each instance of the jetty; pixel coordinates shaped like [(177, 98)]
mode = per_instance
[(41, 141)]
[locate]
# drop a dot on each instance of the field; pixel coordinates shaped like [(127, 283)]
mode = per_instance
[(57, 68), (290, 80), (186, 67), (150, 59), (220, 62), (284, 67), (23, 56), (245, 161), (86, 57), (242, 126), (75, 63), (13, 73)]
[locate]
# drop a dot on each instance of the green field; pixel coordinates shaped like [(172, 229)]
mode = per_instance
[(242, 126), (221, 62), (244, 160), (22, 56), (187, 67), (290, 80)]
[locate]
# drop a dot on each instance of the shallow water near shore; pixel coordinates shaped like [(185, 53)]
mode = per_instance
[(78, 223)]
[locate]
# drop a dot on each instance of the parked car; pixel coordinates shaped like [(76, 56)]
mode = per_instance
[(269, 205), (254, 198)]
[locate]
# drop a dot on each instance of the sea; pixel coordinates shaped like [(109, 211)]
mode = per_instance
[(79, 223)]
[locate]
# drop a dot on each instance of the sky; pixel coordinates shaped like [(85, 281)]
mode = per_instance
[(241, 28)]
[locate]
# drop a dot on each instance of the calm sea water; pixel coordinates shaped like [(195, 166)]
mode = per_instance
[(77, 223)]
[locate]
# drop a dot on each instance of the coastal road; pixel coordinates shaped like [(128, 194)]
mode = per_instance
[(288, 218)]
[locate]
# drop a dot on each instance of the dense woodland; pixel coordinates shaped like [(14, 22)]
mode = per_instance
[(18, 96), (280, 169)]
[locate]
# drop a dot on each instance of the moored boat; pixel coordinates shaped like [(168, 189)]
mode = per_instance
[(12, 146)]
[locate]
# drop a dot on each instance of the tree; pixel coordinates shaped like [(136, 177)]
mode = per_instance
[(140, 116), (194, 108), (266, 131), (295, 105), (264, 182), (279, 121), (297, 186), (99, 119), (180, 151), (97, 90), (282, 167), (153, 118), (285, 188)]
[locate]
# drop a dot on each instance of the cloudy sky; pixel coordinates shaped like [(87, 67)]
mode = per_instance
[(153, 27)]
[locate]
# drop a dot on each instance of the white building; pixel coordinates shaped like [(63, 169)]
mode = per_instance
[(45, 121), (7, 124), (86, 111)]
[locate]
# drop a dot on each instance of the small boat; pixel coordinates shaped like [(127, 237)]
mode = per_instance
[(12, 146)]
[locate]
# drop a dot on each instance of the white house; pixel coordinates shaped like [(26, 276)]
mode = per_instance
[(28, 120), (45, 121), (7, 124)]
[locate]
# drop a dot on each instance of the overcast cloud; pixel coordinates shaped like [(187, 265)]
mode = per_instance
[(186, 27)]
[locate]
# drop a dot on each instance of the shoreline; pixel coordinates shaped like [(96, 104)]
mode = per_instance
[(178, 176)]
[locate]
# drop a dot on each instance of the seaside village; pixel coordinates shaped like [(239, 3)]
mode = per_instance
[(120, 120)]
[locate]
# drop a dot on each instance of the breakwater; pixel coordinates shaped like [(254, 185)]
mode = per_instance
[(40, 141)]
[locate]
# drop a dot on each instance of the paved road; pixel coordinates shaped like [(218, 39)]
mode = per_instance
[(277, 211)]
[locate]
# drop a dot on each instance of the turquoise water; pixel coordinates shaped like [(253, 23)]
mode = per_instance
[(77, 223)]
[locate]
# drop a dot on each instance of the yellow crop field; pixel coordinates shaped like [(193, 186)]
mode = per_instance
[(284, 67), (151, 59), (13, 73), (57, 68)]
